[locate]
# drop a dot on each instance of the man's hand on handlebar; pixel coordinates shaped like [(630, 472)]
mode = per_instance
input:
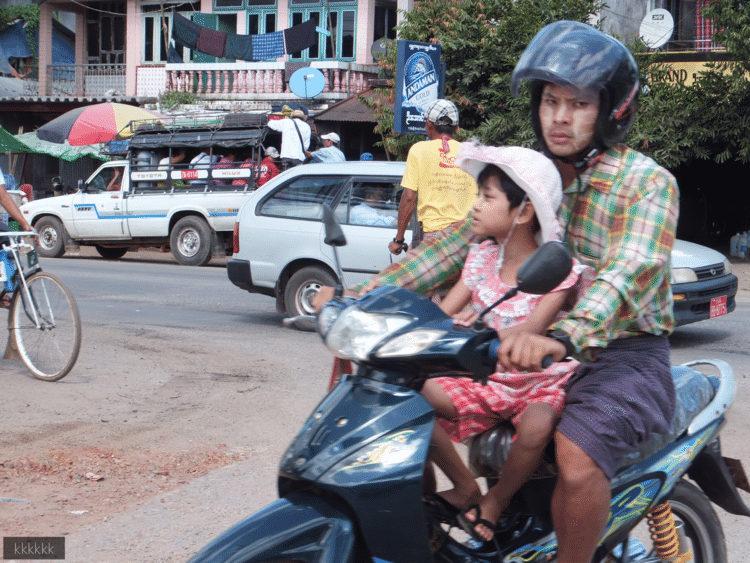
[(325, 294), (525, 351)]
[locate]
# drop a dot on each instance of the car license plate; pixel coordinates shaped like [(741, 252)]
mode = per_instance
[(718, 306), (32, 259)]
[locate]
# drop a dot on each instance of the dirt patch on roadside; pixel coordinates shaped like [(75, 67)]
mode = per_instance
[(68, 488)]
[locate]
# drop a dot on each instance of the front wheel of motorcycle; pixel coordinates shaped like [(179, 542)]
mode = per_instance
[(701, 525)]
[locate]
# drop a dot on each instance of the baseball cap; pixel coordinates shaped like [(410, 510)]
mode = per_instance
[(331, 137), (272, 152), (442, 112), (531, 170)]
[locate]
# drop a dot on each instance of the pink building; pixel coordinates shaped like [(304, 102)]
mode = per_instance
[(122, 49)]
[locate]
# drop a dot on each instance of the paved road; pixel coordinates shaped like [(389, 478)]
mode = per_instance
[(159, 296)]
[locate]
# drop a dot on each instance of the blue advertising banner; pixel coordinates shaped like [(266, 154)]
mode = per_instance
[(418, 84)]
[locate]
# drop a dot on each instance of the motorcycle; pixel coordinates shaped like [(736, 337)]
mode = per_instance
[(354, 484)]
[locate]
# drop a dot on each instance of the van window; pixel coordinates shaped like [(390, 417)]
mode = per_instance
[(373, 202), (303, 197)]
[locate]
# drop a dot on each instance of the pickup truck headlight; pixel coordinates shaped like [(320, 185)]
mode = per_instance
[(355, 332)]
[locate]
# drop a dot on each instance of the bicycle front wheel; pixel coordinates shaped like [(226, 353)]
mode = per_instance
[(46, 327)]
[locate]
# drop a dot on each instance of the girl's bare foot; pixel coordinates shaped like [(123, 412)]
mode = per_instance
[(461, 498)]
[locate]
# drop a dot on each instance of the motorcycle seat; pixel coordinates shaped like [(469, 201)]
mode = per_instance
[(693, 391)]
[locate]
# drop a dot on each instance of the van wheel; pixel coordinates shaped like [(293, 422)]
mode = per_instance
[(110, 253), (191, 242), (302, 287), (51, 237)]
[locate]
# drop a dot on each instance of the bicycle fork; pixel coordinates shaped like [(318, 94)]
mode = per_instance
[(27, 298)]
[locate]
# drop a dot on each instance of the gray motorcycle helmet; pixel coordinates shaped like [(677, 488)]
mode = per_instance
[(576, 55)]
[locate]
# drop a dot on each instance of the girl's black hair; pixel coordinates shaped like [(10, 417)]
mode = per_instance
[(513, 191)]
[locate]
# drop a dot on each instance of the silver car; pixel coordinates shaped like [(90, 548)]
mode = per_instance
[(279, 249)]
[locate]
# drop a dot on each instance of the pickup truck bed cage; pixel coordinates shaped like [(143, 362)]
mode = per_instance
[(201, 138)]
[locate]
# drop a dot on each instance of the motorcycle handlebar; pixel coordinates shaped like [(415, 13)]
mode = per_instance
[(495, 346)]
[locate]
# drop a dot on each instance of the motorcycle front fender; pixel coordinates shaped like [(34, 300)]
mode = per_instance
[(300, 527)]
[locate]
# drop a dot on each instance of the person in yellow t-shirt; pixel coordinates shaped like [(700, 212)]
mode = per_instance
[(441, 192)]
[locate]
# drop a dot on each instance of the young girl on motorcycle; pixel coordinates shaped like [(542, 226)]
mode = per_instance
[(519, 195)]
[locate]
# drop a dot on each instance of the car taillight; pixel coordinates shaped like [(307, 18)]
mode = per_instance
[(236, 238)]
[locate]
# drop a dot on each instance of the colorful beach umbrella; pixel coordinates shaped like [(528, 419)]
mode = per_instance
[(97, 123)]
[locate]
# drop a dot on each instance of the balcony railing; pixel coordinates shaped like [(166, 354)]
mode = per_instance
[(254, 80), (77, 81), (92, 80), (248, 81)]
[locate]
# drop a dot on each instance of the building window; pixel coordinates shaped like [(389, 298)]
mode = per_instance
[(692, 32), (157, 31), (385, 22), (341, 21), (106, 34), (261, 21), (242, 4)]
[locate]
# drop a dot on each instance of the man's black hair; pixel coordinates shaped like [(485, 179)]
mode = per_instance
[(445, 129)]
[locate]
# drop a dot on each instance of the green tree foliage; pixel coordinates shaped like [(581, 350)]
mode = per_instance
[(27, 12), (709, 119), (482, 40)]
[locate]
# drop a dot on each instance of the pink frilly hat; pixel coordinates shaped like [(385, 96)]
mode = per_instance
[(531, 170)]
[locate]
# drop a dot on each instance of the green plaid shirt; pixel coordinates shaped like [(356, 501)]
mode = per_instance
[(433, 265), (623, 226)]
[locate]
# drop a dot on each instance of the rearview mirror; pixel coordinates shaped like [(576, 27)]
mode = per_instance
[(334, 234), (545, 269)]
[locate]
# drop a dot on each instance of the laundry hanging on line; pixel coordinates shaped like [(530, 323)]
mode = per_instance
[(259, 47)]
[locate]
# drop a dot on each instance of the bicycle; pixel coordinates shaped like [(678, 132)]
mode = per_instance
[(43, 320)]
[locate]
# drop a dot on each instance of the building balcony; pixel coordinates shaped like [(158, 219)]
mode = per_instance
[(264, 81), (76, 81)]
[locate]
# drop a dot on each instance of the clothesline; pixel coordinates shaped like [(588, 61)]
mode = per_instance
[(259, 47)]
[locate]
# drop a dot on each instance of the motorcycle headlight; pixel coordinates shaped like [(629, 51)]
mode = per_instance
[(327, 316), (410, 343), (355, 332)]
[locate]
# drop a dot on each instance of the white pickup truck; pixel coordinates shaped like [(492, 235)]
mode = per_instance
[(188, 207)]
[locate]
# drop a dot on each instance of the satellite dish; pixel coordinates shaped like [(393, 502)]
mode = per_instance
[(379, 47), (307, 82), (656, 28)]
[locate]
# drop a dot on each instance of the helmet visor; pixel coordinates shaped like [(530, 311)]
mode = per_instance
[(571, 54)]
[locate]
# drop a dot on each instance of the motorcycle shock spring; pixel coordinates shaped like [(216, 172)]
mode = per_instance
[(663, 531)]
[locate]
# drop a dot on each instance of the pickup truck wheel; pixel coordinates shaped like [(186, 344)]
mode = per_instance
[(110, 253), (51, 237), (302, 287), (191, 241)]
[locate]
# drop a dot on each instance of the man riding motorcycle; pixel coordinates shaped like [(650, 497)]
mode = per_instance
[(620, 211)]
